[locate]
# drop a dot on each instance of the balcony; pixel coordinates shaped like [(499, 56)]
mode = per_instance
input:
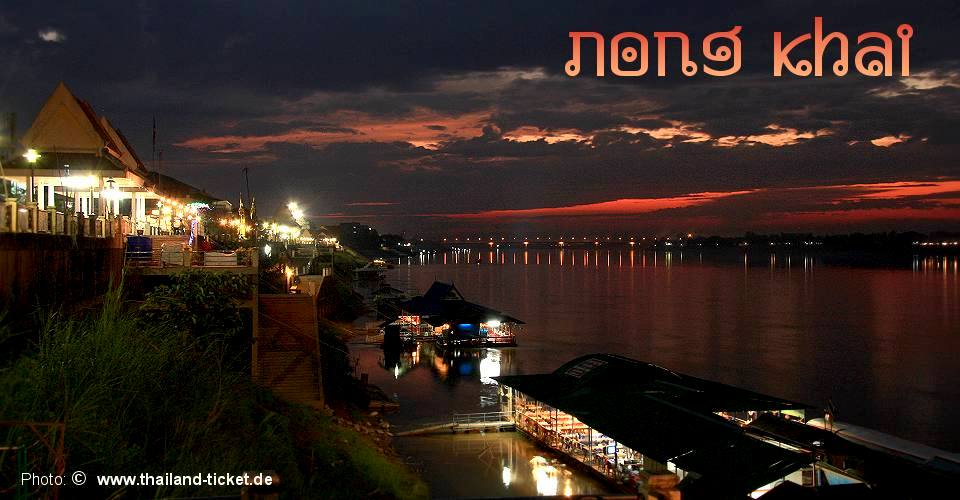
[(28, 218)]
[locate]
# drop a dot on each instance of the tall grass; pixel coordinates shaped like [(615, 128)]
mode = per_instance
[(138, 397)]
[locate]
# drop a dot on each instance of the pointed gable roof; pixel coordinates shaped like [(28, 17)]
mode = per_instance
[(133, 153), (442, 291), (445, 304), (69, 125), (121, 149)]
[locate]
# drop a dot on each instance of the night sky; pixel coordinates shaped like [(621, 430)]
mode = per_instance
[(443, 118)]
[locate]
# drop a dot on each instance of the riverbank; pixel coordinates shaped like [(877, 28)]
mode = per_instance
[(131, 397)]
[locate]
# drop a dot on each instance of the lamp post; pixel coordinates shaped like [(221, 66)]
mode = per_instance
[(31, 156), (108, 195), (67, 199)]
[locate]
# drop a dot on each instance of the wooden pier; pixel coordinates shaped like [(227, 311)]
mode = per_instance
[(466, 422)]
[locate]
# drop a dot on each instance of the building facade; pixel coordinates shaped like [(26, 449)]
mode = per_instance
[(78, 174)]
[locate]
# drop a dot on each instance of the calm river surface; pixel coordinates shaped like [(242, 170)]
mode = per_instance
[(882, 343)]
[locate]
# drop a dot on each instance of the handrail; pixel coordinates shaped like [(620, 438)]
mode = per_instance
[(478, 418), (188, 258)]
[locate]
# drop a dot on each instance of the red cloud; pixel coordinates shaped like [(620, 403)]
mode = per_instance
[(421, 128), (625, 206)]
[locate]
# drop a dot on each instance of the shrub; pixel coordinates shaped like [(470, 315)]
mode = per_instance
[(141, 397), (200, 302)]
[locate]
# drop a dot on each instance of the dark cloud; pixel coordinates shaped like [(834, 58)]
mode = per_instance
[(447, 108)]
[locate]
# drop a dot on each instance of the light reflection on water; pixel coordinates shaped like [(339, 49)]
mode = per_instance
[(880, 342), (493, 465), (615, 257), (462, 377)]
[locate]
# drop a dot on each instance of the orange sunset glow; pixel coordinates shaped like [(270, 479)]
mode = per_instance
[(429, 141), (421, 129), (418, 249), (946, 195), (614, 207)]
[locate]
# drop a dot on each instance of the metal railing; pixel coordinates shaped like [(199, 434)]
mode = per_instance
[(174, 254), (482, 418)]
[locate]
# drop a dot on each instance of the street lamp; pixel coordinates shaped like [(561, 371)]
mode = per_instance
[(296, 212), (109, 195), (31, 156)]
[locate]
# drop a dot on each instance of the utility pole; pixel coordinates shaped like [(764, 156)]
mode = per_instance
[(253, 224)]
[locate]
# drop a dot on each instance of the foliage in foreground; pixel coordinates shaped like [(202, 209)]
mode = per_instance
[(143, 397), (199, 302)]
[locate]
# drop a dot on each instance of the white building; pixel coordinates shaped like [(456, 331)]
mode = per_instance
[(78, 174)]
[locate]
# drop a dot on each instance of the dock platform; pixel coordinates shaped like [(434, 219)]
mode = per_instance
[(466, 422)]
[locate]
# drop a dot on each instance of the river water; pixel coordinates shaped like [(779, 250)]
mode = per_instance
[(881, 343)]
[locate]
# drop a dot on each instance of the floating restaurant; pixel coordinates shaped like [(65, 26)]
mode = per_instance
[(657, 431), (443, 315)]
